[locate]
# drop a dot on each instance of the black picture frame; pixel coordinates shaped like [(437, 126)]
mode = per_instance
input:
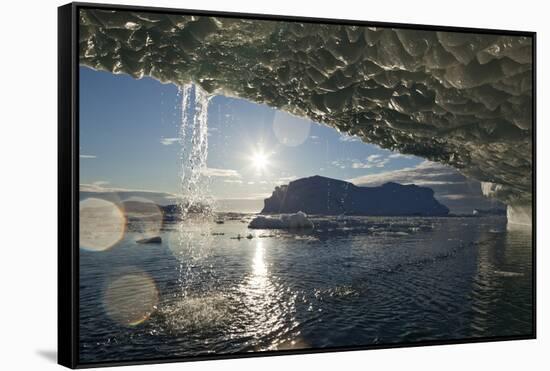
[(68, 182)]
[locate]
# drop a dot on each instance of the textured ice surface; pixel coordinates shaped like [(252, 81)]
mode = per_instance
[(456, 98)]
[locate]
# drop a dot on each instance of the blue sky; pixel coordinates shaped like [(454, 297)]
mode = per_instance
[(128, 143)]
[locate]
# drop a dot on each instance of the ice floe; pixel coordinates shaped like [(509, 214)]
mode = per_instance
[(298, 220)]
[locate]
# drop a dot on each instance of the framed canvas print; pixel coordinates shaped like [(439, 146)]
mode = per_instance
[(235, 185)]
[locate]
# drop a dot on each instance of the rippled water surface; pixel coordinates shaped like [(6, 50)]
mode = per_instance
[(359, 281)]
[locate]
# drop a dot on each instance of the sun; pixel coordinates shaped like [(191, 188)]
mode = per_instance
[(260, 160)]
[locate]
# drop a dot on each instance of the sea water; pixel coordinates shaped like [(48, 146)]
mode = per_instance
[(350, 282)]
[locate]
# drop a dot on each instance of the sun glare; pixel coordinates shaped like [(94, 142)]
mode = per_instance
[(260, 160)]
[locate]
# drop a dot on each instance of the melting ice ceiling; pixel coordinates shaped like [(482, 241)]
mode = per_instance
[(461, 99)]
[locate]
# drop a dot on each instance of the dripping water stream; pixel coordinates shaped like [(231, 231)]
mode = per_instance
[(194, 201)]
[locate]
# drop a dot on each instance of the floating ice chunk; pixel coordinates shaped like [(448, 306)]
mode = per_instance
[(298, 220), (519, 215), (285, 221), (508, 274), (156, 239)]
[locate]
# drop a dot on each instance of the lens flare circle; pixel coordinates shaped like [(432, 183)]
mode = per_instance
[(102, 224), (144, 217), (290, 130), (131, 298)]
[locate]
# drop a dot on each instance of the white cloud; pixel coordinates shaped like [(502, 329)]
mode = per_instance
[(100, 183), (212, 130), (424, 173), (93, 188), (224, 173), (285, 180), (101, 187), (101, 190), (250, 196), (348, 138), (399, 155), (169, 141), (339, 164), (233, 181), (88, 156), (377, 160), (373, 161)]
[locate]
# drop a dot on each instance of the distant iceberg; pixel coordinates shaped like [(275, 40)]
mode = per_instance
[(298, 220), (319, 195)]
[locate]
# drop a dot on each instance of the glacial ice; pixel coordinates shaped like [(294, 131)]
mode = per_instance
[(460, 99), (298, 220), (519, 216)]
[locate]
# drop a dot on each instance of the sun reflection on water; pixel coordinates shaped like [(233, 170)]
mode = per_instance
[(268, 306), (259, 267)]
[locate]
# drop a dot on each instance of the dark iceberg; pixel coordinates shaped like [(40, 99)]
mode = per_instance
[(325, 196)]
